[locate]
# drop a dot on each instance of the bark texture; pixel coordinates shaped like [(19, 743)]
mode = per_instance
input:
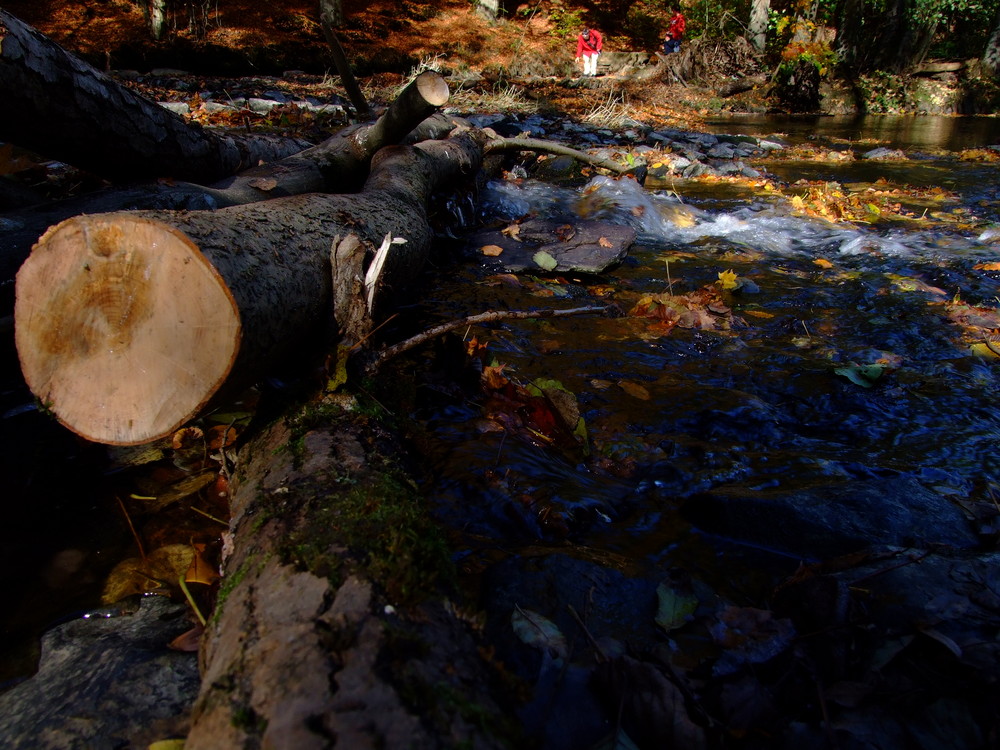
[(339, 164), (308, 650), (128, 323), (58, 105)]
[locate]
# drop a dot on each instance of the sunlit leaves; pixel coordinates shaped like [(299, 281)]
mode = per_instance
[(545, 261), (702, 309), (727, 280)]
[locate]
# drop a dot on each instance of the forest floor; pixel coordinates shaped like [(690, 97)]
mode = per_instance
[(385, 42)]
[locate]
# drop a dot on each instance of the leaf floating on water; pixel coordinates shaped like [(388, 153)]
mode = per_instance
[(491, 251), (994, 266), (200, 571), (539, 632), (864, 375), (728, 279), (675, 607), (545, 261), (823, 263), (983, 349), (634, 389)]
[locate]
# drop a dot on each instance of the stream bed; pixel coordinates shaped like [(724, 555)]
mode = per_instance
[(780, 530)]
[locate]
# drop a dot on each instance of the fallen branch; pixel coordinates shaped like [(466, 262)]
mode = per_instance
[(382, 356), (534, 144)]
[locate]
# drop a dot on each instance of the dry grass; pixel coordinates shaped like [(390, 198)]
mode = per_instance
[(614, 113)]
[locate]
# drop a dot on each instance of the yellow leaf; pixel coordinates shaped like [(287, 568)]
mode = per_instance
[(492, 250), (757, 314), (728, 279), (797, 203), (823, 263)]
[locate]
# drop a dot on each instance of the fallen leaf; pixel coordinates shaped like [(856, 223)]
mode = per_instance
[(634, 389), (189, 642), (512, 231), (605, 242), (491, 250), (728, 279), (565, 233), (539, 632), (187, 437), (200, 571), (675, 607), (994, 266), (823, 263), (545, 261), (863, 375), (263, 183)]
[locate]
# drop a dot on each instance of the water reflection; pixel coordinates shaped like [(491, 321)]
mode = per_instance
[(894, 131)]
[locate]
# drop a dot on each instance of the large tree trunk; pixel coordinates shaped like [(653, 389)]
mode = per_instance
[(127, 324), (59, 106)]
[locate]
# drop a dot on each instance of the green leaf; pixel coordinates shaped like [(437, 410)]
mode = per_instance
[(538, 631), (544, 260), (675, 607), (863, 375)]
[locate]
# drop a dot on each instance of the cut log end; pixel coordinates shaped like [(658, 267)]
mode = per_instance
[(123, 328), (433, 88)]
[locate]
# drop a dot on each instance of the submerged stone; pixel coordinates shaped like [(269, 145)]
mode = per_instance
[(835, 519), (542, 245)]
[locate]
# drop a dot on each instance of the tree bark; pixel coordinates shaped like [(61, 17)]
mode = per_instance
[(991, 54), (59, 106), (310, 648), (757, 29), (339, 164), (127, 324)]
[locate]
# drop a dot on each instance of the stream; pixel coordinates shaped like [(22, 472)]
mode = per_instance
[(779, 530), (727, 459)]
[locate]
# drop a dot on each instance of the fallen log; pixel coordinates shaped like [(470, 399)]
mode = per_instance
[(60, 106), (128, 323), (334, 629), (339, 164)]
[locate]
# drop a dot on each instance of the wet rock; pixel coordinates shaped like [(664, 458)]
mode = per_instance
[(178, 108), (542, 245), (105, 682), (261, 106), (835, 519), (883, 154)]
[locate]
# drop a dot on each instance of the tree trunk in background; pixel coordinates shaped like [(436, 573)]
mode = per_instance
[(61, 107), (991, 55), (156, 13), (128, 323), (849, 28), (757, 30), (331, 17)]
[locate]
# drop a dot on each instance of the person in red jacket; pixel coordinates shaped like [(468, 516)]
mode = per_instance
[(588, 46), (675, 33)]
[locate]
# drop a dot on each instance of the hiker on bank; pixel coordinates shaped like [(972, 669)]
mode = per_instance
[(588, 46), (675, 33)]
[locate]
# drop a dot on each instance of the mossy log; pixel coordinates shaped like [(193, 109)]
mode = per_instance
[(128, 323), (331, 629)]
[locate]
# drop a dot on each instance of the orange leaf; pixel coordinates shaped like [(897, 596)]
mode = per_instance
[(186, 437), (823, 263), (492, 250), (221, 436), (995, 266), (200, 571), (605, 242), (512, 231), (634, 389)]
